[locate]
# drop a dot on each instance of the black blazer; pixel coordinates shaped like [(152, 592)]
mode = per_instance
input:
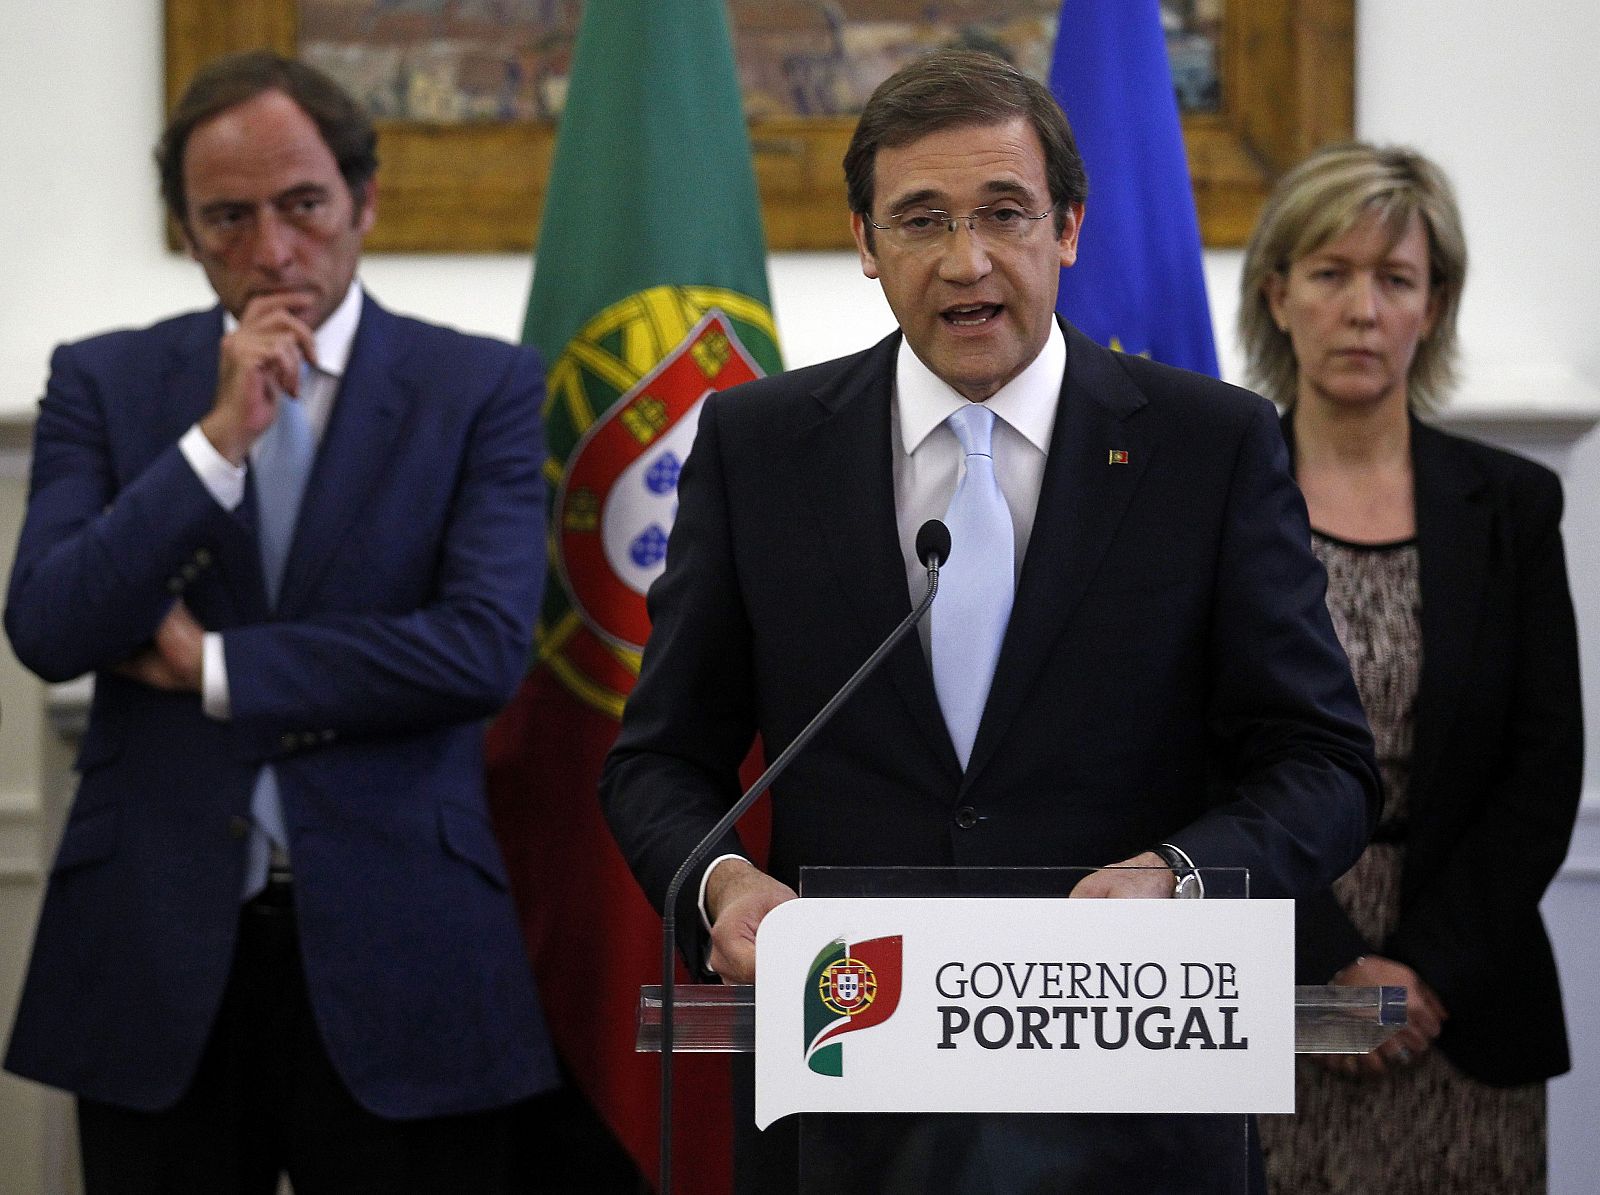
[(1497, 765), (1169, 673)]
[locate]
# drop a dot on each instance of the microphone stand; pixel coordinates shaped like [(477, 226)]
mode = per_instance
[(933, 548)]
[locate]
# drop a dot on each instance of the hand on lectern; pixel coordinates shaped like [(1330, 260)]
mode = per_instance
[(738, 896), (1146, 876)]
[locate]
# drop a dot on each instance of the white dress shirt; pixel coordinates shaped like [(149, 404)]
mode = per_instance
[(225, 480), (928, 461)]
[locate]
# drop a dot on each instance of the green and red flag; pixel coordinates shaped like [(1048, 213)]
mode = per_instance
[(649, 293)]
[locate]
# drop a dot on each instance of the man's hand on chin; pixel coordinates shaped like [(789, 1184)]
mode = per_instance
[(258, 360), (738, 896)]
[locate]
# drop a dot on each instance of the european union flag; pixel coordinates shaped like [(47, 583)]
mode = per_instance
[(1138, 281)]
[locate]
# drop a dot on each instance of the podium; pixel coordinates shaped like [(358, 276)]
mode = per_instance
[(715, 1018), (1134, 1121)]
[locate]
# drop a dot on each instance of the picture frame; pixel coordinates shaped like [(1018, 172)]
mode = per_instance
[(1287, 83)]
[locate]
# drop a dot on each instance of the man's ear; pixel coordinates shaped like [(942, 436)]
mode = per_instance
[(366, 200), (869, 259), (185, 237), (1071, 226)]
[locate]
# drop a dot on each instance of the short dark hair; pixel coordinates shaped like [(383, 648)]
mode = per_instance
[(225, 83), (955, 88)]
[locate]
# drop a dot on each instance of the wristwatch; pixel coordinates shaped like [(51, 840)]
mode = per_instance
[(1189, 885)]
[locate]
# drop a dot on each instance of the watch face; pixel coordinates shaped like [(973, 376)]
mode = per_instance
[(1188, 887)]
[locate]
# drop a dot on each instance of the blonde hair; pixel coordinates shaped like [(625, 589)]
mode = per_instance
[(1319, 201)]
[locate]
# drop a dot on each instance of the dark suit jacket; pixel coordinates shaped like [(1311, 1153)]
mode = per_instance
[(404, 621), (1169, 672), (1497, 767)]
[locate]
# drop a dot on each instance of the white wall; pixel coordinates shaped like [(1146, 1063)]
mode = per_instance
[(1505, 97)]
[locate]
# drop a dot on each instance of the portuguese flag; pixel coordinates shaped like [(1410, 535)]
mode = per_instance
[(649, 292)]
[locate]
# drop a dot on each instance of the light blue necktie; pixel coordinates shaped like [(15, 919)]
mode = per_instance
[(280, 466), (976, 585)]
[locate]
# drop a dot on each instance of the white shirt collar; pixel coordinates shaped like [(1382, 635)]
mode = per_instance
[(337, 334), (1027, 402)]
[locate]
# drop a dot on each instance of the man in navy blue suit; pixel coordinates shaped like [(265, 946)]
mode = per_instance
[(299, 541), (1159, 690)]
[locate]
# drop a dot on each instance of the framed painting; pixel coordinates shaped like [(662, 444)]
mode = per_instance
[(467, 134)]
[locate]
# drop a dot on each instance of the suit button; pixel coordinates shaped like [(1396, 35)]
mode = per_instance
[(189, 571), (327, 736), (966, 817), (288, 740), (202, 557), (174, 584), (238, 826)]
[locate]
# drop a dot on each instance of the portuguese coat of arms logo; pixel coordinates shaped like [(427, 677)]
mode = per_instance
[(662, 352), (851, 986), (848, 986)]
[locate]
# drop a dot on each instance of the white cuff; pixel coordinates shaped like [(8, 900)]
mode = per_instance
[(214, 698), (223, 478), (705, 877), (1199, 879)]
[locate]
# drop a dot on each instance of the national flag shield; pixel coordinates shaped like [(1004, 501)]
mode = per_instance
[(615, 506), (847, 988)]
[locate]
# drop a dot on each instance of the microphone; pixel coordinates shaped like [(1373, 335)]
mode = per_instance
[(933, 546), (933, 549)]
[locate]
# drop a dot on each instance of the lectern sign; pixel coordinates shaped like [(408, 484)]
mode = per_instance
[(1008, 1005)]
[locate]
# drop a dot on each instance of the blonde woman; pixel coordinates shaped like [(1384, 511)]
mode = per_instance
[(1448, 588)]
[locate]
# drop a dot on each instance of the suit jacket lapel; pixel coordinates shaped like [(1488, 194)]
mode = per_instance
[(1082, 500), (849, 475), (1455, 537), (354, 451), (190, 383)]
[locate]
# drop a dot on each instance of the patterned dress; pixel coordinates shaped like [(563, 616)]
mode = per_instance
[(1424, 1128)]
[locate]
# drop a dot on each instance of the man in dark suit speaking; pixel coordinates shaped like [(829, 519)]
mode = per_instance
[(1128, 662), (299, 541)]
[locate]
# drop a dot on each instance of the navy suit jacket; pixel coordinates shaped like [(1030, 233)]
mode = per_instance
[(404, 621), (1169, 673), (1497, 768)]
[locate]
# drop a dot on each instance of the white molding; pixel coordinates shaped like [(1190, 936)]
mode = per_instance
[(1526, 425), (1524, 388), (1583, 858), (1540, 403), (19, 873), (67, 706), (21, 839), (16, 445)]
